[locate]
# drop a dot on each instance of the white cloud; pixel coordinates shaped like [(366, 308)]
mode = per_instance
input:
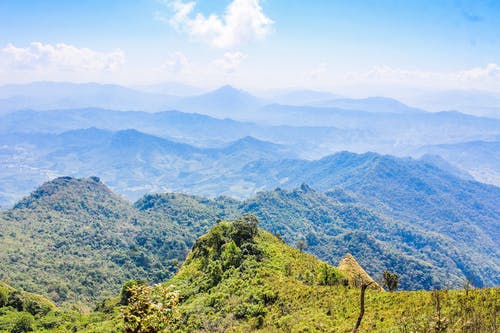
[(473, 76), (61, 57), (243, 21), (177, 63), (230, 61), (491, 71)]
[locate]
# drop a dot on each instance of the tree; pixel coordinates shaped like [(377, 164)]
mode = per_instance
[(301, 245), (150, 309), (328, 275), (126, 292), (23, 324), (245, 229), (231, 255), (391, 280)]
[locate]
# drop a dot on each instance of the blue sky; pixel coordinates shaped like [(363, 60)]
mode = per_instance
[(347, 46)]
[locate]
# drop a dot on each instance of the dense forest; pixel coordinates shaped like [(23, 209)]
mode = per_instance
[(240, 278), (76, 242)]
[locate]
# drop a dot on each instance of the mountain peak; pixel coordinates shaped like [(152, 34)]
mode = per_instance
[(230, 91), (68, 194), (227, 87)]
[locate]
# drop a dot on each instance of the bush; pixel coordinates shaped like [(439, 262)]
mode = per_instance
[(23, 324)]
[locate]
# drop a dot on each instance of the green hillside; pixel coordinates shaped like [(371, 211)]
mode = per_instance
[(75, 241), (239, 278), (21, 312)]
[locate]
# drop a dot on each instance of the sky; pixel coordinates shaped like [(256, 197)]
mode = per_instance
[(350, 47)]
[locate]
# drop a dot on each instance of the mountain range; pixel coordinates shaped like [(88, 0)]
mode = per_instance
[(313, 167), (89, 241)]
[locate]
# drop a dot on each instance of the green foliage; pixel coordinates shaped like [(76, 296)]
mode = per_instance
[(150, 309), (329, 276), (291, 291), (126, 292), (24, 323), (391, 280), (74, 241)]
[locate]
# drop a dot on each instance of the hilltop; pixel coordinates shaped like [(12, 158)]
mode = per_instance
[(74, 240), (239, 278)]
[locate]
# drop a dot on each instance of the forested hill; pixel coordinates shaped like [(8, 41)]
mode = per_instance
[(75, 240), (239, 278), (404, 189)]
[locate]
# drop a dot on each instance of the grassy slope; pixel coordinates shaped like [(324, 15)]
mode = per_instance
[(281, 294)]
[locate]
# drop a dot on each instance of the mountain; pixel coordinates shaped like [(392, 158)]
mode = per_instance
[(423, 198), (88, 241), (131, 162), (392, 132), (403, 186), (475, 102), (331, 229), (240, 278), (481, 159), (65, 95), (444, 165), (312, 132), (335, 222), (224, 102), (74, 240), (404, 189), (170, 88), (190, 128), (370, 104), (302, 97)]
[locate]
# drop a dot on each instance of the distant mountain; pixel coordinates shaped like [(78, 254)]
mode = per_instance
[(481, 159), (224, 102), (170, 88), (404, 189), (131, 162), (302, 97), (394, 133), (64, 95), (196, 129), (475, 102), (312, 132), (414, 193), (134, 163), (370, 104), (444, 165)]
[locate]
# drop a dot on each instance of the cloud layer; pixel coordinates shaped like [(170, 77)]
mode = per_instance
[(60, 57), (243, 22), (487, 74)]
